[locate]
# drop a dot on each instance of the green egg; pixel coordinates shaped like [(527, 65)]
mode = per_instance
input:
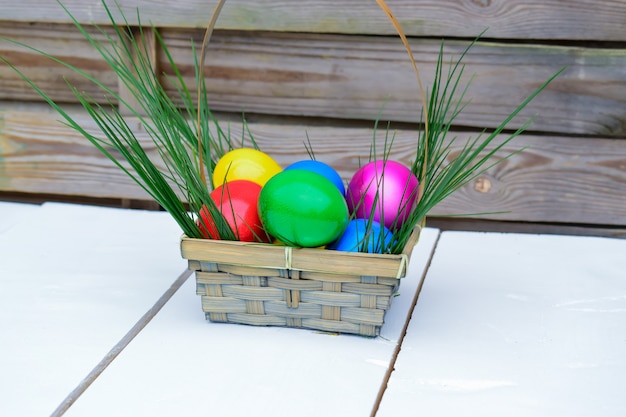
[(302, 208)]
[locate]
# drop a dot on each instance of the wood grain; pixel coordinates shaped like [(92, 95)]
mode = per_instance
[(39, 155), (64, 43), (481, 225), (508, 19), (555, 179), (354, 77)]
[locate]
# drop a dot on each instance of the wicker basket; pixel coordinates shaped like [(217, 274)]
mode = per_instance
[(270, 285)]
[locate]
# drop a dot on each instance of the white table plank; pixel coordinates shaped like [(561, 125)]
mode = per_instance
[(12, 214), (516, 325), (73, 280), (180, 364)]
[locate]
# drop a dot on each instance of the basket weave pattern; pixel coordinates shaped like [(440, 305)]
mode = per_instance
[(269, 285)]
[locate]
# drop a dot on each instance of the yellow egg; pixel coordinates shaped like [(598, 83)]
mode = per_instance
[(245, 164)]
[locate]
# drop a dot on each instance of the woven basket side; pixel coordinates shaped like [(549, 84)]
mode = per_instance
[(269, 285), (353, 304)]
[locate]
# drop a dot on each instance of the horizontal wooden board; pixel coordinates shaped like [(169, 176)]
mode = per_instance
[(39, 155), (355, 77), (63, 42), (481, 225), (549, 19), (555, 179)]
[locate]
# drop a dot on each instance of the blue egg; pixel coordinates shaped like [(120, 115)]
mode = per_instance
[(356, 236), (322, 169)]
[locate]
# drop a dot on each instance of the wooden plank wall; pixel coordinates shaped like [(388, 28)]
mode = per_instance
[(326, 69)]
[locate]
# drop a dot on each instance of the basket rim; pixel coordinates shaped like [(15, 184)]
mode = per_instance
[(270, 256)]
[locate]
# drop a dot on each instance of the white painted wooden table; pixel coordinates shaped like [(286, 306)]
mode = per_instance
[(67, 299), (11, 214), (73, 281), (516, 325), (506, 324), (180, 364)]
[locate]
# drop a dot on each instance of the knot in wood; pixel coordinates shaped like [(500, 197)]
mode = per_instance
[(482, 185), (481, 3)]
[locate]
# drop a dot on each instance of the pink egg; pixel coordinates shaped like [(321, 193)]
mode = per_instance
[(397, 189)]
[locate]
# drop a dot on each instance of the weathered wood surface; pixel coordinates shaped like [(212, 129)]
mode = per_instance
[(295, 67), (64, 43), (354, 77), (484, 225), (508, 19), (40, 155), (556, 179)]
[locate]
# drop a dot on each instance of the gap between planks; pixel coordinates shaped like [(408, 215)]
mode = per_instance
[(120, 346), (398, 348)]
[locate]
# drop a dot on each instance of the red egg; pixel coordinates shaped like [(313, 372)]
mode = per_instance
[(237, 201)]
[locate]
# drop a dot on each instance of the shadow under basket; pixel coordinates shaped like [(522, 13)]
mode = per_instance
[(270, 285)]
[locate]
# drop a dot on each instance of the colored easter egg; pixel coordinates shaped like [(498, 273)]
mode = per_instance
[(302, 208), (245, 164), (359, 237), (237, 201), (386, 189), (322, 169)]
